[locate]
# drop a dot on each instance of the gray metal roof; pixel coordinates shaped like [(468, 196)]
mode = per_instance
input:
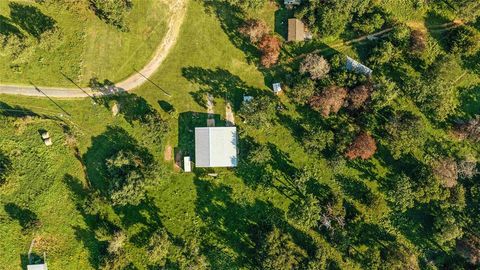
[(357, 67), (216, 147)]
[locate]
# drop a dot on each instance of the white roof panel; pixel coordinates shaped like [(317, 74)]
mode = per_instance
[(37, 267), (216, 147)]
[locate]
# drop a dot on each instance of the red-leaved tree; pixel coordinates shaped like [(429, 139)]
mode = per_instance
[(330, 100), (363, 147), (269, 45)]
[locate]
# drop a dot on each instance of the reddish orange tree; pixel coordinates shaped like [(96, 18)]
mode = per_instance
[(363, 147), (329, 101), (269, 45)]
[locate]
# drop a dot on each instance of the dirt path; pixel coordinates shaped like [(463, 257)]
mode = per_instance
[(177, 10)]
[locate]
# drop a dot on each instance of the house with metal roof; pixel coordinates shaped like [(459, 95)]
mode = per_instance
[(357, 67), (216, 147), (296, 30)]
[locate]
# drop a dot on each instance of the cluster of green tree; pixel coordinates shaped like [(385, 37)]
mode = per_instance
[(429, 176), (246, 4), (333, 17), (112, 11)]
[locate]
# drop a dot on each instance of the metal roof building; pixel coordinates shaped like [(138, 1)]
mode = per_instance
[(357, 67), (216, 147), (296, 30)]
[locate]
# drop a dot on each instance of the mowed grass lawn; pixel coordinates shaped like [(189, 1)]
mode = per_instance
[(84, 46)]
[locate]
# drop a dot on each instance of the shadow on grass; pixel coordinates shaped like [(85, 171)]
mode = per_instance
[(231, 18), (83, 199), (15, 111), (7, 28), (27, 219), (5, 167), (187, 122), (220, 83), (469, 101), (31, 19), (233, 230)]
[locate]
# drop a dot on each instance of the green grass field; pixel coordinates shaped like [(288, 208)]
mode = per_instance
[(46, 195), (84, 46)]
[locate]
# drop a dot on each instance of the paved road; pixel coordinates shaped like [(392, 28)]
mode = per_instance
[(177, 11)]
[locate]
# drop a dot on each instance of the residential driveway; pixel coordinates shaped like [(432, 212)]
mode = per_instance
[(177, 11)]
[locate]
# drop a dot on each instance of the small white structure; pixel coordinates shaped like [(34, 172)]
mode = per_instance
[(357, 67), (292, 2), (187, 165), (216, 147), (247, 99), (46, 138), (42, 266), (277, 88)]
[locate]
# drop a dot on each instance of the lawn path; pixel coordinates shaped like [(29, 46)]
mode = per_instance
[(177, 15)]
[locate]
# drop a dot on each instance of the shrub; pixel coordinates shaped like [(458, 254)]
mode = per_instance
[(363, 147), (329, 101), (315, 65)]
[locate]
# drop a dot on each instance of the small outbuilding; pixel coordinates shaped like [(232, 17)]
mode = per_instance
[(46, 138), (357, 67), (292, 2), (42, 266), (277, 88), (187, 164), (247, 99), (296, 30), (216, 147)]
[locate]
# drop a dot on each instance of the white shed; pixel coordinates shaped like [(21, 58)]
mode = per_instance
[(247, 99), (187, 165), (291, 2), (42, 266), (216, 147), (277, 88)]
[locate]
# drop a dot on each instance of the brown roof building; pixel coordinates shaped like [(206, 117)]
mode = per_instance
[(296, 30)]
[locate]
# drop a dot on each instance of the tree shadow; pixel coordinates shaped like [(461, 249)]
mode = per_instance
[(15, 111), (5, 167), (356, 189), (7, 28), (187, 122), (220, 83), (27, 219), (238, 226), (166, 106), (83, 200), (231, 18), (469, 100), (31, 19)]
